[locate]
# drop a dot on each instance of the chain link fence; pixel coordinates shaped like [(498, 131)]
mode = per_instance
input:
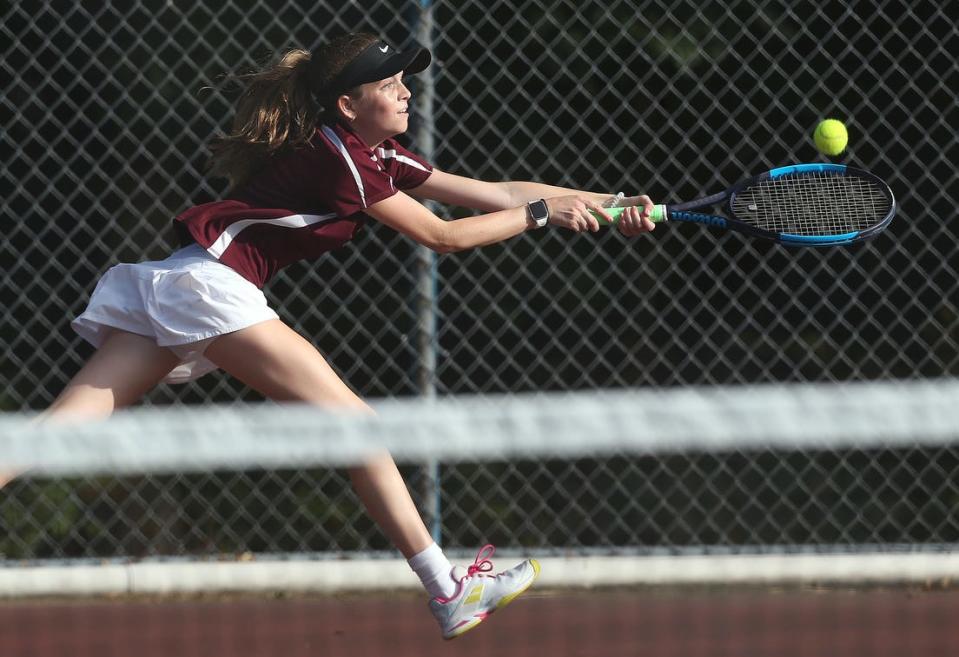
[(107, 108)]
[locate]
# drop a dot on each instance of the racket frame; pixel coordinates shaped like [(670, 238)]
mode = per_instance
[(682, 211)]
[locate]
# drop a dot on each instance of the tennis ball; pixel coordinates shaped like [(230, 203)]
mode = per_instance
[(831, 137)]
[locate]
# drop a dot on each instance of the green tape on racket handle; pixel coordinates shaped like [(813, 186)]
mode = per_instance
[(658, 215)]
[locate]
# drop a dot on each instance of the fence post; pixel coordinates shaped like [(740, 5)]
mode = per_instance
[(427, 345)]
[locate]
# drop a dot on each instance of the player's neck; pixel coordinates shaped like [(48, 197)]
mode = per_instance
[(370, 139)]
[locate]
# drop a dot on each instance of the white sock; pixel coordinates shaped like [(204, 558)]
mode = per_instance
[(435, 571)]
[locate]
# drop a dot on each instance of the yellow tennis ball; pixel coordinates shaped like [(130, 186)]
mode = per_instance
[(831, 137)]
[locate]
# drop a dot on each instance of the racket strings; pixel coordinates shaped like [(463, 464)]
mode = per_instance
[(819, 203)]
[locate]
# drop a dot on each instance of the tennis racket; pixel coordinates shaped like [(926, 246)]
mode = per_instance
[(797, 205)]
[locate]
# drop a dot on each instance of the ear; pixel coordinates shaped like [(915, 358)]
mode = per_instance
[(344, 104)]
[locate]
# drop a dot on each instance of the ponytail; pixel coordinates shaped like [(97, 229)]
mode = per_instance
[(279, 111), (275, 113)]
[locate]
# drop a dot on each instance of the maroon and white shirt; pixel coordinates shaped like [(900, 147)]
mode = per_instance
[(302, 204)]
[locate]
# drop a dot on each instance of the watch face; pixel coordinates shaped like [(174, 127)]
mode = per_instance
[(538, 210)]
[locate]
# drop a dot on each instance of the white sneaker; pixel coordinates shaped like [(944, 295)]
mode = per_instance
[(478, 595)]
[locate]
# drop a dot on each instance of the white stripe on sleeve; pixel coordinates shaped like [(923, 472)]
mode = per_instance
[(391, 154)]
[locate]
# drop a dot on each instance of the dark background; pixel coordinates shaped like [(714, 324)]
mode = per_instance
[(107, 108)]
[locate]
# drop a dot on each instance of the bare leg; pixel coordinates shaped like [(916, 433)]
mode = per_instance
[(273, 359), (124, 367)]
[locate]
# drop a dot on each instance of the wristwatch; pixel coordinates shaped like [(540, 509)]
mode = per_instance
[(538, 212)]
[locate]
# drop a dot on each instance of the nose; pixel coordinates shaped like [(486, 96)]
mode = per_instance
[(404, 92)]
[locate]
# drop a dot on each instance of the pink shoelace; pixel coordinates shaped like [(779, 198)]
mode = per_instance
[(482, 563)]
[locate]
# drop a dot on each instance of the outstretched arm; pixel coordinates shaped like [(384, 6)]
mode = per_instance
[(480, 195), (413, 219), (477, 194)]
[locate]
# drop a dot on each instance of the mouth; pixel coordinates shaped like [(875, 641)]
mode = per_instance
[(405, 110)]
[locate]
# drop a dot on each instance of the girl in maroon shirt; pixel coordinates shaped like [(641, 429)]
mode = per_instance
[(312, 156)]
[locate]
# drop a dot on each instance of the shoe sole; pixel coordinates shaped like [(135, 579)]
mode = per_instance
[(460, 631)]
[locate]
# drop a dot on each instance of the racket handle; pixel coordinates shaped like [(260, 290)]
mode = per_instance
[(658, 215)]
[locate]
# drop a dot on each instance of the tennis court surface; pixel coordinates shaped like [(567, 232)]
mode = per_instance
[(738, 452), (618, 623)]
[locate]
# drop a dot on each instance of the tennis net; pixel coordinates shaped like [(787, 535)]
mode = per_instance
[(752, 520)]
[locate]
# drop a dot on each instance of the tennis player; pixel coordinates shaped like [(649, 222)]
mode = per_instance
[(311, 159)]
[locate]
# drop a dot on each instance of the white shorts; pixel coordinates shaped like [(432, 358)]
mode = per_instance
[(183, 303)]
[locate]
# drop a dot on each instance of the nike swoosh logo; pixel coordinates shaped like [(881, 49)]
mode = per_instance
[(384, 48)]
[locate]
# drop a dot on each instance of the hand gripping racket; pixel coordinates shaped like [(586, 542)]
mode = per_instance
[(798, 205)]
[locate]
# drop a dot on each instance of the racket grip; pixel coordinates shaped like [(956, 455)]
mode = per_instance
[(658, 215)]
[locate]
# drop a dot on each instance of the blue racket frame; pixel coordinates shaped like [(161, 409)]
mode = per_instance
[(681, 211)]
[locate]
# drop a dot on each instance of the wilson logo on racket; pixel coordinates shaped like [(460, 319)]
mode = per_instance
[(797, 205)]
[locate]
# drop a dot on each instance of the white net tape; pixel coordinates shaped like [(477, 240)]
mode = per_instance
[(484, 428)]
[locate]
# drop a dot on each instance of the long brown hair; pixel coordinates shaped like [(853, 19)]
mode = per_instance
[(278, 111)]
